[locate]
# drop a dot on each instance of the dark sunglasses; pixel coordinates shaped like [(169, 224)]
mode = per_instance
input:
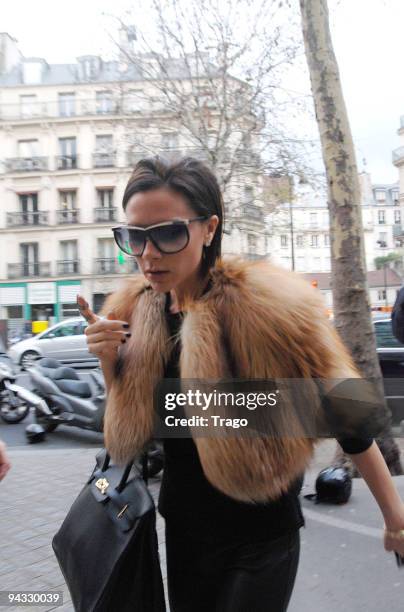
[(168, 237)]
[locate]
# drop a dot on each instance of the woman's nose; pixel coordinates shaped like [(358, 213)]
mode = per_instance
[(150, 250)]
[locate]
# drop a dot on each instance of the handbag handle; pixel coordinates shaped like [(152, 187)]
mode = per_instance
[(128, 467)]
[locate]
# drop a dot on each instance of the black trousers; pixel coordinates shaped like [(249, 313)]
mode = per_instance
[(242, 576)]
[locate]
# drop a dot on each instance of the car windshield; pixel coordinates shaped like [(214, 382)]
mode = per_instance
[(384, 335), (69, 329)]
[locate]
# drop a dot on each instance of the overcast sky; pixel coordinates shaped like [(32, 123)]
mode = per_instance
[(367, 38)]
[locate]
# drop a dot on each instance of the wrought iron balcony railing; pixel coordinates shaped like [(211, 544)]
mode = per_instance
[(15, 219)]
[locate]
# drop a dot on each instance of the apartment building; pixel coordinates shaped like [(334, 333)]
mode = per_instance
[(70, 135), (299, 230)]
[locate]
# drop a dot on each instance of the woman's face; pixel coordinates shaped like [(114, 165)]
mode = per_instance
[(159, 205)]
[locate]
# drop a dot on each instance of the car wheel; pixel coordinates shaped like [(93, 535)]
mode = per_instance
[(28, 359)]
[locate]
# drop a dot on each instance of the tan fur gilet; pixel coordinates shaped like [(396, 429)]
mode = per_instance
[(275, 326)]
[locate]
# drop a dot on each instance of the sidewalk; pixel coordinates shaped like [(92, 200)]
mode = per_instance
[(42, 484)]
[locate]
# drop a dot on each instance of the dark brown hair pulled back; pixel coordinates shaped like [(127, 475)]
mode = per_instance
[(193, 180)]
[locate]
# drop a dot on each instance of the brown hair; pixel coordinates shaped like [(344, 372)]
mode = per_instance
[(194, 181)]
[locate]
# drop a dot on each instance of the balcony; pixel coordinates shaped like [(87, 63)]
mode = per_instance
[(65, 217), (66, 162), (398, 155), (67, 267), (104, 160), (105, 215), (54, 110), (18, 219), (28, 270), (110, 265), (250, 211), (26, 164), (106, 265)]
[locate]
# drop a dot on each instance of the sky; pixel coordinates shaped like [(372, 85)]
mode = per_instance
[(366, 36)]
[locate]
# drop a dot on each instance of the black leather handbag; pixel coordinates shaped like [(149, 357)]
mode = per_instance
[(107, 545)]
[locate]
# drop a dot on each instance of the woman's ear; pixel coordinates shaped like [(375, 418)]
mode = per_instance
[(212, 225)]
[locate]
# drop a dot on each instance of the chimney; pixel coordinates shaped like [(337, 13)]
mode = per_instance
[(10, 55)]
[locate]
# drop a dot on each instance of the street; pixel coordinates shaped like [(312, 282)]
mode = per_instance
[(343, 563)]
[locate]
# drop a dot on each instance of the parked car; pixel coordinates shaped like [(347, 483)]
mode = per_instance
[(391, 359), (64, 341)]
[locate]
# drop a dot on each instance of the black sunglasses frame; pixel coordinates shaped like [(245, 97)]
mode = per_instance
[(148, 234)]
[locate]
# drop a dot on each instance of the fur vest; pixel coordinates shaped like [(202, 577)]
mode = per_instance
[(255, 321)]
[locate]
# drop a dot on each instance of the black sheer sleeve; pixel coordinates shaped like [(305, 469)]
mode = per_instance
[(353, 446)]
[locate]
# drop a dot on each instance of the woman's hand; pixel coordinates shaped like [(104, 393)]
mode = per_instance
[(104, 336), (5, 464), (395, 524)]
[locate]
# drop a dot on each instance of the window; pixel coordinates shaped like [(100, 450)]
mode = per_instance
[(313, 219), (133, 101), (284, 240), (248, 195), (27, 149), (381, 215), (104, 156), (314, 240), (169, 141), (106, 248), (67, 211), (103, 143), (105, 210), (299, 240), (104, 102), (29, 208), (382, 242), (68, 250), (29, 253), (397, 216), (67, 104), (15, 312), (381, 294), (250, 210), (67, 199), (106, 261), (251, 242), (69, 329), (380, 195), (67, 158), (28, 106), (68, 262), (384, 334), (326, 239), (105, 198)]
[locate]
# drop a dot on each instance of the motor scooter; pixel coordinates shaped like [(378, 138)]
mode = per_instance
[(15, 401), (68, 400)]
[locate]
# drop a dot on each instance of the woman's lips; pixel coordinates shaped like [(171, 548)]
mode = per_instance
[(156, 274)]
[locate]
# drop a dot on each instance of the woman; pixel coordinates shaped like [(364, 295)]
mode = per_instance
[(231, 506)]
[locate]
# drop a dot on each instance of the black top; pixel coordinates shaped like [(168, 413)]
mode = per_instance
[(188, 498)]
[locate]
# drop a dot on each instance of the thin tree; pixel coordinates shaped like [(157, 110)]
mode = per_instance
[(216, 68), (351, 305)]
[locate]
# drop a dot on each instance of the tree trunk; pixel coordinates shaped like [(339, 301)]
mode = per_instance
[(349, 282)]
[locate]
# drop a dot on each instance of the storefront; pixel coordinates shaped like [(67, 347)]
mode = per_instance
[(22, 304)]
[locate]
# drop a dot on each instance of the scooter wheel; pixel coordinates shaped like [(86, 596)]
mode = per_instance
[(13, 414)]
